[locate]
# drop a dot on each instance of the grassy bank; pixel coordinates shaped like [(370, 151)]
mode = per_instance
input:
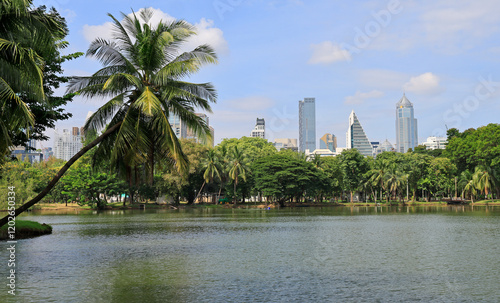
[(26, 229)]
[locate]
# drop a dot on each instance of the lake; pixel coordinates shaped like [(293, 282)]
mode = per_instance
[(336, 254)]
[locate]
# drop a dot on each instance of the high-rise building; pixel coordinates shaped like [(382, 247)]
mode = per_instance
[(328, 141), (67, 144), (260, 129), (356, 137), (178, 125), (307, 124), (406, 126)]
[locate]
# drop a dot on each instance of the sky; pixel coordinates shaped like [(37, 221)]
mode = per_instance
[(349, 55)]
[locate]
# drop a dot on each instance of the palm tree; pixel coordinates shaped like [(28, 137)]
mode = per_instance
[(238, 167), (24, 33), (142, 76), (212, 168), (394, 181), (484, 180), (142, 73), (378, 174), (469, 188), (222, 158)]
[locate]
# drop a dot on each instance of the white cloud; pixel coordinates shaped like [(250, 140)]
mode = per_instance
[(327, 52), (424, 84), (360, 97), (206, 33)]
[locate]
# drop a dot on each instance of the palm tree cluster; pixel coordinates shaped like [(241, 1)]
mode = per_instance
[(484, 181), (225, 164)]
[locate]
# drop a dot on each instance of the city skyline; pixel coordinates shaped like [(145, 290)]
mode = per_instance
[(362, 56)]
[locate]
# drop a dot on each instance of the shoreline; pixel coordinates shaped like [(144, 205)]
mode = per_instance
[(76, 207)]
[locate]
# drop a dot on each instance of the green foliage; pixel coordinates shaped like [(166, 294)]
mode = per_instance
[(253, 148), (185, 184), (353, 166), (285, 177), (474, 147), (27, 36)]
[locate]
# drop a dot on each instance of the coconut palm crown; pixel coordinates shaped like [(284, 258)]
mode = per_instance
[(142, 81)]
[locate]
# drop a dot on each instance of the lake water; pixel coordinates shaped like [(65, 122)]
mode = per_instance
[(342, 254)]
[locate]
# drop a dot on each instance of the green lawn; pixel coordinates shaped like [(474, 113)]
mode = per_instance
[(26, 229)]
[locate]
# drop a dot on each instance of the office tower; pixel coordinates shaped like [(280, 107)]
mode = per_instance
[(307, 124), (356, 137), (328, 141), (67, 144), (260, 129), (178, 125), (406, 126)]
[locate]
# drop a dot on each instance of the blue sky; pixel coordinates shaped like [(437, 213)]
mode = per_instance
[(349, 55)]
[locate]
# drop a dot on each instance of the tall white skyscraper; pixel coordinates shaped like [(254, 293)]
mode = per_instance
[(356, 137), (67, 144), (406, 126), (260, 129), (307, 124)]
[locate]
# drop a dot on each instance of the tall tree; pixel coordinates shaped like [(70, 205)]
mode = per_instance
[(353, 166), (142, 76), (238, 167), (485, 180), (25, 33)]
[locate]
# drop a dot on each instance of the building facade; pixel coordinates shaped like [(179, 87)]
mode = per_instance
[(259, 130), (436, 143), (66, 143), (182, 131), (406, 126), (307, 124), (178, 126), (356, 137), (328, 141)]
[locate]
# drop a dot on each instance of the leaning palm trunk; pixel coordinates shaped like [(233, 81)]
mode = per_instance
[(59, 174), (199, 192)]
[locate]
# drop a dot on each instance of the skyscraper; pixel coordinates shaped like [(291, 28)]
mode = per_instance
[(307, 124), (328, 141), (260, 129), (406, 126), (178, 125), (356, 137), (67, 144)]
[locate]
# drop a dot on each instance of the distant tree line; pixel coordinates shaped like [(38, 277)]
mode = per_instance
[(239, 169)]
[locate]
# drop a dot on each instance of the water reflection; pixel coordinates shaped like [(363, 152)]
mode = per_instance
[(341, 254)]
